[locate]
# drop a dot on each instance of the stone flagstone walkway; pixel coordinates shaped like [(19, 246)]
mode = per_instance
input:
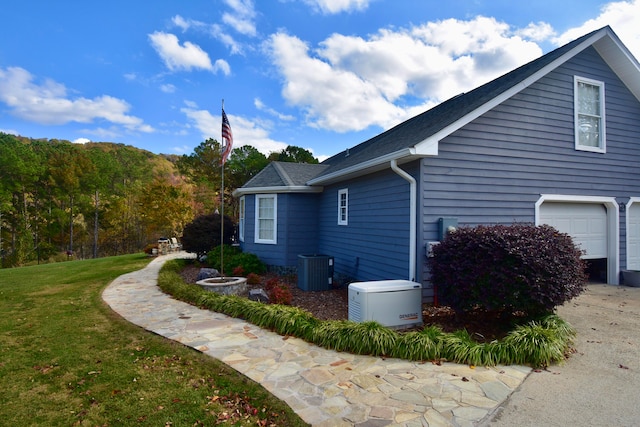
[(326, 388)]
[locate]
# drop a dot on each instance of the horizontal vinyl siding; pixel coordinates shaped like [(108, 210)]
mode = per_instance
[(375, 243), (300, 227), (494, 169), (297, 229)]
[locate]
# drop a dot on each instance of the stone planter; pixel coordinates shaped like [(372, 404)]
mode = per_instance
[(631, 278), (224, 285)]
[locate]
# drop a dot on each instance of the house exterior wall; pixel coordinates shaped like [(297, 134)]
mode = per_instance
[(494, 169), (374, 245), (296, 229)]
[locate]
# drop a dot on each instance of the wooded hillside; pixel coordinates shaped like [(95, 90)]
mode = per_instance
[(59, 199)]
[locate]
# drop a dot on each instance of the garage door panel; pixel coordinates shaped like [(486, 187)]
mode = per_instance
[(585, 223)]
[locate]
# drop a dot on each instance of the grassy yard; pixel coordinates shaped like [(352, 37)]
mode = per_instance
[(66, 359)]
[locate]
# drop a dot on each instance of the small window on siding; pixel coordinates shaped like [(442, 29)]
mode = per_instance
[(266, 218), (589, 115), (241, 220), (343, 206)]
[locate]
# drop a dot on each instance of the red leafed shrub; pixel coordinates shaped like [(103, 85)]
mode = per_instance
[(517, 267), (280, 294), (253, 279), (238, 271), (271, 283)]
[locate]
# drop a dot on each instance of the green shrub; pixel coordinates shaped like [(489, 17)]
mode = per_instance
[(507, 268), (213, 256), (236, 261), (249, 263)]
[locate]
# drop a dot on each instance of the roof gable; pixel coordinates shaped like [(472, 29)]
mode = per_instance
[(420, 135), (283, 177)]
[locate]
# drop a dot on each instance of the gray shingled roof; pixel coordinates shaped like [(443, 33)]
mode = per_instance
[(408, 134), (420, 127), (285, 174)]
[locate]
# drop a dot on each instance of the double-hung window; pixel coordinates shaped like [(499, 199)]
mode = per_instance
[(589, 115), (266, 218), (343, 207), (241, 220)]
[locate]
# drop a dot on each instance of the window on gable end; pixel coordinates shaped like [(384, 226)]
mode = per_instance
[(343, 207), (589, 115), (266, 218)]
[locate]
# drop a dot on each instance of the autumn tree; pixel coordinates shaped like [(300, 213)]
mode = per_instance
[(294, 154)]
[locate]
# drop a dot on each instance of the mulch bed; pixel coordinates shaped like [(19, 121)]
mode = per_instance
[(334, 305)]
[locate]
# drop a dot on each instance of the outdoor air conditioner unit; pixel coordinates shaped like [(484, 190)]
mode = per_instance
[(392, 303), (315, 272)]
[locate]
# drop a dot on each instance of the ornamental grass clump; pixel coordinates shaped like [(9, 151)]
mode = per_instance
[(359, 338), (507, 269), (537, 343)]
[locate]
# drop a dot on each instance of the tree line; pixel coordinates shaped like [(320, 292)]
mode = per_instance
[(62, 200)]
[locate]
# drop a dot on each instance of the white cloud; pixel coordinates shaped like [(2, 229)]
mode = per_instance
[(623, 17), (330, 7), (168, 88), (182, 23), (179, 57), (538, 31), (222, 65), (81, 140), (349, 83), (49, 104), (242, 17), (257, 102), (245, 132)]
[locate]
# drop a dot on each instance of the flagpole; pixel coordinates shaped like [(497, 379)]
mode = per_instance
[(222, 205)]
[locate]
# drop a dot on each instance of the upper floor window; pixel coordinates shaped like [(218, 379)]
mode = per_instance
[(343, 207), (266, 218), (589, 115)]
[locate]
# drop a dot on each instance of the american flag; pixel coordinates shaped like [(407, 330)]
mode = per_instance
[(227, 138)]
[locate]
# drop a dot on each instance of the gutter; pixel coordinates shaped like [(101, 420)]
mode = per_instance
[(412, 217)]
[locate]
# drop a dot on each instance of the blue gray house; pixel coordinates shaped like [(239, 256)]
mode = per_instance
[(556, 141)]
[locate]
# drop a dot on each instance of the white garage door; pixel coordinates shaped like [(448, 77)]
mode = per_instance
[(633, 236), (586, 223)]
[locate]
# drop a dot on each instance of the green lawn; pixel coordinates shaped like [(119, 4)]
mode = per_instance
[(67, 359)]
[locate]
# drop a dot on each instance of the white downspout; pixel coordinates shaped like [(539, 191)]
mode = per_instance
[(412, 217)]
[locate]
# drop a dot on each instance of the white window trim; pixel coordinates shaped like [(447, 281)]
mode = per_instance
[(241, 219), (603, 139), (257, 238), (344, 221)]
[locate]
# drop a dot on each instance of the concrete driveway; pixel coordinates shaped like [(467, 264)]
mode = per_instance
[(600, 384)]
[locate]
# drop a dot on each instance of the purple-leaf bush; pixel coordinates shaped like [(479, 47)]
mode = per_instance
[(507, 268)]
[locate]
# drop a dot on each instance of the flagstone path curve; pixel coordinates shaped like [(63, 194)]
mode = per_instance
[(324, 387)]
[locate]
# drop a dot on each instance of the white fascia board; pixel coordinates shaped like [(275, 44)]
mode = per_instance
[(623, 63), (378, 163), (272, 190)]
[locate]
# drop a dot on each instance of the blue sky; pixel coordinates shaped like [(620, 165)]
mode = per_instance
[(319, 74)]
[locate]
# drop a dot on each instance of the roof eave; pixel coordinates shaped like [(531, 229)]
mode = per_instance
[(242, 191), (422, 149)]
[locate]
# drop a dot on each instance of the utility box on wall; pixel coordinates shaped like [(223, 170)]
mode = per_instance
[(315, 272), (445, 225)]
